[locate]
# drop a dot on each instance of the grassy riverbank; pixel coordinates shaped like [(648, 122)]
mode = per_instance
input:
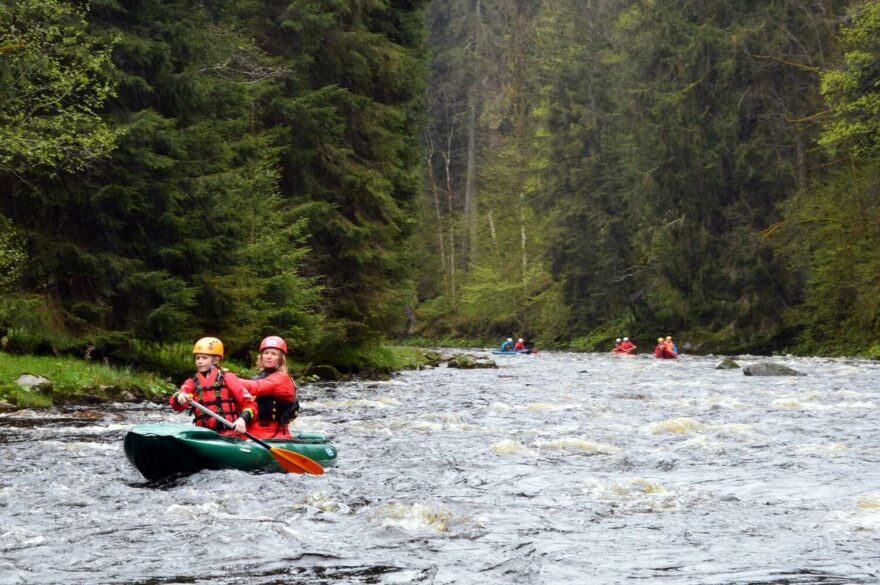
[(74, 380), (78, 381)]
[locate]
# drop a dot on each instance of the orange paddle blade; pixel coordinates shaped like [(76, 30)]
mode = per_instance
[(295, 463)]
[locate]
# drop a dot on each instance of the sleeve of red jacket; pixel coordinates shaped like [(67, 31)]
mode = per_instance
[(277, 384), (186, 387), (243, 399)]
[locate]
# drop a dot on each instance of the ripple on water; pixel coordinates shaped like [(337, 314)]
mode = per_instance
[(679, 425)]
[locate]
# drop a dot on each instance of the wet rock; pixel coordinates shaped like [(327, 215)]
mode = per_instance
[(445, 357), (469, 362), (770, 369), (5, 406), (93, 399), (89, 415), (432, 358), (631, 396), (327, 372), (126, 396), (727, 364), (34, 382)]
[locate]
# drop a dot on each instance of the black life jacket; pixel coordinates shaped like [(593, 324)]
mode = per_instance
[(220, 397), (270, 409)]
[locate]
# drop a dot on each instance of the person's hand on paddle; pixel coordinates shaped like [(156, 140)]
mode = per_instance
[(183, 398), (240, 426)]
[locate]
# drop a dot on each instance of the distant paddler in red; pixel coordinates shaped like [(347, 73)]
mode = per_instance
[(274, 390), (519, 345), (218, 390)]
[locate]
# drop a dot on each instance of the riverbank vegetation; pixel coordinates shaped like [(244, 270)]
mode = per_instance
[(444, 171), (72, 380)]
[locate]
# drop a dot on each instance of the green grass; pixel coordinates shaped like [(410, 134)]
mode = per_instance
[(395, 358), (447, 341), (71, 376)]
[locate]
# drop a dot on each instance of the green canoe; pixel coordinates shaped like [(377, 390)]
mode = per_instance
[(164, 450)]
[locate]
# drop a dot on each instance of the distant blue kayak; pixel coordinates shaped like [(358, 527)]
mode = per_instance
[(512, 352)]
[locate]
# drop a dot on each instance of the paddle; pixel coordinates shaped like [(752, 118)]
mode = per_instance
[(290, 460)]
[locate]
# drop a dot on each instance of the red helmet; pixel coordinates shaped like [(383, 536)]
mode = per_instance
[(273, 341)]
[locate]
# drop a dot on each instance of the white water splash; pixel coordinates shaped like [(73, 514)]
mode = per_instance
[(414, 518)]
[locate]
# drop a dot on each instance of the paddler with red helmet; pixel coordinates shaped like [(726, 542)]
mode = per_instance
[(274, 390)]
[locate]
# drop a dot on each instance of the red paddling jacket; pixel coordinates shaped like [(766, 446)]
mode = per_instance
[(221, 392), (277, 405)]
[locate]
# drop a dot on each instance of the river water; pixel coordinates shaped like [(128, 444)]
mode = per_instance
[(556, 468)]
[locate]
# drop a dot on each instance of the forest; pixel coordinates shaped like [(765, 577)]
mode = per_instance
[(345, 174)]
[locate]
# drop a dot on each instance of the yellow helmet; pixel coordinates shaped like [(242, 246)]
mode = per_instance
[(668, 338), (659, 339), (209, 345)]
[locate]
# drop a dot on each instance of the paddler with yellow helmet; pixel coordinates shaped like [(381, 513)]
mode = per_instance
[(218, 390)]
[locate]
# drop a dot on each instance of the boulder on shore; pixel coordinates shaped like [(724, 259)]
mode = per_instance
[(34, 382), (770, 369)]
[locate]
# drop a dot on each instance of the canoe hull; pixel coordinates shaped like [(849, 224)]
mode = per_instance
[(665, 354), (159, 451), (514, 352)]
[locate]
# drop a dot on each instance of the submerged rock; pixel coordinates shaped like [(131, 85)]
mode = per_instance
[(469, 362), (727, 364), (770, 369)]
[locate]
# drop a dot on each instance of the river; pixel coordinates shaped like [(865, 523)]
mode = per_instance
[(556, 468)]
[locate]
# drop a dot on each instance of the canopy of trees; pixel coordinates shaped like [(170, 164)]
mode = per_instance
[(179, 168), (607, 167)]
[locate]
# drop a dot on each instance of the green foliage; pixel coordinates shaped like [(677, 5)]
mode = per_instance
[(852, 92), (23, 398), (12, 256), (53, 83), (832, 234), (348, 147)]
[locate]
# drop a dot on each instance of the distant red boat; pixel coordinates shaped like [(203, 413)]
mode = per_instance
[(665, 353), (624, 351)]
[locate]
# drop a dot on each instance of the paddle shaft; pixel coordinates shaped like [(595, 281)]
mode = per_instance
[(213, 414)]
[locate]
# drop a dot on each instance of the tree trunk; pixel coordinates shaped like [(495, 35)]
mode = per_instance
[(470, 191), (435, 189), (523, 239)]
